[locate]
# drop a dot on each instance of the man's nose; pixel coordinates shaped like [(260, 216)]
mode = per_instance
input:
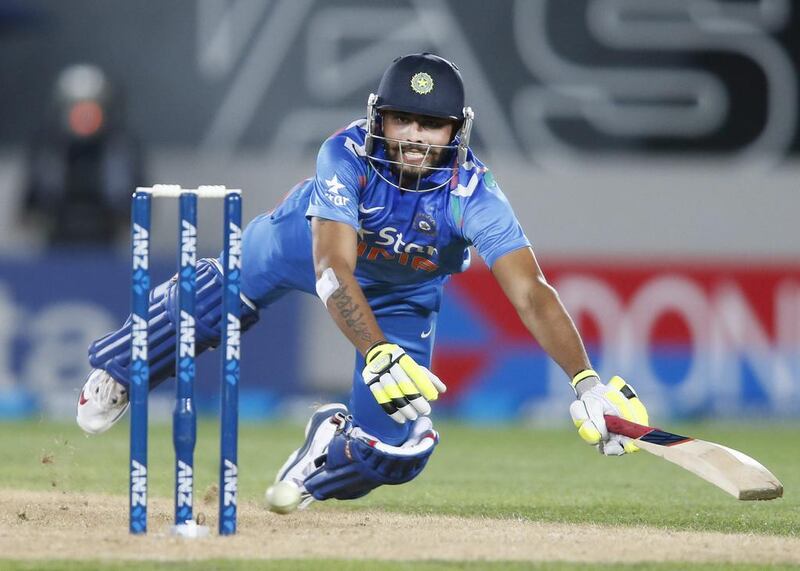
[(416, 132)]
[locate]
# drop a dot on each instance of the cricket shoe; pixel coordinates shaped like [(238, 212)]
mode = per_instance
[(103, 401), (321, 428)]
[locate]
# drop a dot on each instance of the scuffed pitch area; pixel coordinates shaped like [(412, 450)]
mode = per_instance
[(61, 525)]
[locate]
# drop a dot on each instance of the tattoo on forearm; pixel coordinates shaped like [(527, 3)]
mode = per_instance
[(350, 313)]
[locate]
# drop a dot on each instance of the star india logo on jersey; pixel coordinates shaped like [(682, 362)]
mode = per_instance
[(422, 83), (390, 246), (334, 186)]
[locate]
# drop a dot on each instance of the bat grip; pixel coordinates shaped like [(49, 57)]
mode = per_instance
[(619, 425)]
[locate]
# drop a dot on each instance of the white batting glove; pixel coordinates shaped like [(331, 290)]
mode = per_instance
[(595, 400), (401, 386)]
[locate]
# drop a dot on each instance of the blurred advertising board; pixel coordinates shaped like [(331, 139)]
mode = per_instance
[(52, 307), (717, 338), (696, 339)]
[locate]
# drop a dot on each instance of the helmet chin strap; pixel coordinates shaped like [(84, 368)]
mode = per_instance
[(461, 148)]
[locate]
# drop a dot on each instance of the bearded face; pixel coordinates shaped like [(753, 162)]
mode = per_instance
[(416, 142)]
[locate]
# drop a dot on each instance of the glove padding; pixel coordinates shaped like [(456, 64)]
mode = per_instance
[(401, 386), (616, 398)]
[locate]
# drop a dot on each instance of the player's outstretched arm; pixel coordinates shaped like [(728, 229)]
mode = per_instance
[(401, 386), (334, 264), (540, 309), (543, 314)]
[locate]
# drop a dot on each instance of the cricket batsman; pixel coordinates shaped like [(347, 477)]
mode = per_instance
[(397, 199)]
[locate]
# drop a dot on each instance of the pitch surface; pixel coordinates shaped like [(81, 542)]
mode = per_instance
[(490, 495)]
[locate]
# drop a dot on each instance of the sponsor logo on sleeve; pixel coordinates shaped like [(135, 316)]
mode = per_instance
[(334, 186)]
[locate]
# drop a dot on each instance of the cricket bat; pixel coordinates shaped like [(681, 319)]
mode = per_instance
[(728, 469)]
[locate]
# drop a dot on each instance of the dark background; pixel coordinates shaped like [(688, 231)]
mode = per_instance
[(153, 50)]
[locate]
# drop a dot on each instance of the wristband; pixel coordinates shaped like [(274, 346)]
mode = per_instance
[(581, 375)]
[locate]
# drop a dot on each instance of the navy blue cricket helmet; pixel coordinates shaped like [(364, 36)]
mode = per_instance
[(425, 84), (422, 84)]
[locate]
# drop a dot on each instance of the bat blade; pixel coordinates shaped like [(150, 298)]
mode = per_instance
[(728, 469)]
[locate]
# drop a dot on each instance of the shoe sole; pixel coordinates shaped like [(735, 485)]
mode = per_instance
[(311, 427), (82, 401), (112, 422)]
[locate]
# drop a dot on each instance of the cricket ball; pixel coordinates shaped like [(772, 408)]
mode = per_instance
[(282, 497)]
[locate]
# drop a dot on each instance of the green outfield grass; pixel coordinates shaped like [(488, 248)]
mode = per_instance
[(499, 472), (506, 472)]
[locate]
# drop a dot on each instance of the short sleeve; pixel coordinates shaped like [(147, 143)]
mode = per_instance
[(489, 222), (336, 184)]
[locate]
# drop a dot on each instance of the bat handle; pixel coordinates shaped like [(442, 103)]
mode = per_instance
[(619, 425)]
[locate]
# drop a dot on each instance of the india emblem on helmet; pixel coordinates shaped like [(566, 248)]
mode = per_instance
[(422, 83)]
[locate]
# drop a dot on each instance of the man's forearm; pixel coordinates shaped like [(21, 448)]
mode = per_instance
[(551, 325), (349, 309)]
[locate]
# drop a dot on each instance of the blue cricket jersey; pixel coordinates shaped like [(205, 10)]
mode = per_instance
[(408, 242)]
